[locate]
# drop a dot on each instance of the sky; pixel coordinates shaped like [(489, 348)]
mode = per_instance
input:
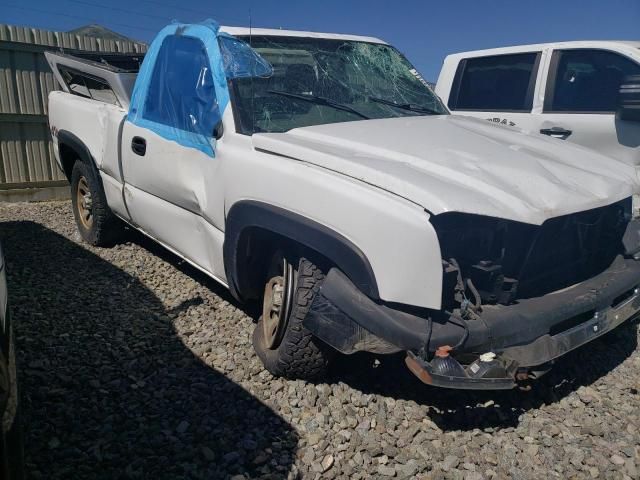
[(425, 31)]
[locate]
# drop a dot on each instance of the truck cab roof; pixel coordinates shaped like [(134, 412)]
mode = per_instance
[(276, 32), (605, 44), (119, 71)]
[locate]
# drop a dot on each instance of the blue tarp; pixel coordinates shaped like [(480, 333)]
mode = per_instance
[(181, 90)]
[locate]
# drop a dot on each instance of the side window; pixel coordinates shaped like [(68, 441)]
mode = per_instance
[(586, 80), (497, 83), (181, 92), (87, 86)]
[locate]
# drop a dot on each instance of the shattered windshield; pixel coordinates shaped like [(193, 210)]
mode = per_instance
[(317, 81)]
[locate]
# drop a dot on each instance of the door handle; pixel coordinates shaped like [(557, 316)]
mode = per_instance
[(556, 132), (139, 146)]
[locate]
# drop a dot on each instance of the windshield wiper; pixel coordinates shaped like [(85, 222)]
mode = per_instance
[(405, 106), (320, 101)]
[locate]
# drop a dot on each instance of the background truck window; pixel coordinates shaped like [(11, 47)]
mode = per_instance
[(497, 83), (586, 80), (181, 93)]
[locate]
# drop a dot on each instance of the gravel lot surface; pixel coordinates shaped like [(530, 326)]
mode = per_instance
[(134, 365)]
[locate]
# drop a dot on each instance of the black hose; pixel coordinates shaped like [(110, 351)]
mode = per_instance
[(425, 348), (478, 300), (463, 325), (459, 281), (477, 305)]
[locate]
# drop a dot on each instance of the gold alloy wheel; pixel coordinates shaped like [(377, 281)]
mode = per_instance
[(278, 295), (84, 203)]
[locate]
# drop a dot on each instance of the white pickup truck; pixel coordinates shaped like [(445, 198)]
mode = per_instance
[(585, 92), (319, 175)]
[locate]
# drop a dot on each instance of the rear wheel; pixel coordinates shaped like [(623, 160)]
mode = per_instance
[(284, 345), (96, 223)]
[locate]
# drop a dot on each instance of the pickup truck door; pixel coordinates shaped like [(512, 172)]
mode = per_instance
[(497, 88), (580, 101), (169, 153)]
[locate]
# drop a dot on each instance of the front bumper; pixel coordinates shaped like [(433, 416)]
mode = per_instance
[(528, 334)]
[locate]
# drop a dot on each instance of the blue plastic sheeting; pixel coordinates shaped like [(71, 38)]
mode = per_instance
[(181, 90), (240, 60)]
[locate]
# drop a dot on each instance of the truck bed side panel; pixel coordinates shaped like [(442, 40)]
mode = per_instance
[(98, 126)]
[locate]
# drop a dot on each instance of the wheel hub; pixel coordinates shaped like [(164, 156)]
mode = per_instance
[(277, 304), (84, 202)]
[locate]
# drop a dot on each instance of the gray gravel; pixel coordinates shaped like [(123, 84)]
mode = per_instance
[(134, 365)]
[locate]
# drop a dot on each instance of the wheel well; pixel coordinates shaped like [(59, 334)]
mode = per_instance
[(254, 229), (71, 149), (256, 246), (68, 157)]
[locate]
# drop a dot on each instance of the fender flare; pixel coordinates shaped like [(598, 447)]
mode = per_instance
[(66, 138), (248, 214)]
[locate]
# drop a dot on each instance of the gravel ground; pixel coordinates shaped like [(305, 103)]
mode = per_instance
[(134, 365)]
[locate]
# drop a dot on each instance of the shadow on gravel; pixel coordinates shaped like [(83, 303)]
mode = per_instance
[(109, 390), (252, 309), (466, 410)]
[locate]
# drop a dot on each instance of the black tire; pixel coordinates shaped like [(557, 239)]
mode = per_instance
[(299, 355), (102, 228), (11, 445)]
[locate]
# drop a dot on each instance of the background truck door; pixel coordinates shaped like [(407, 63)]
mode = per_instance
[(169, 151), (580, 102), (498, 88)]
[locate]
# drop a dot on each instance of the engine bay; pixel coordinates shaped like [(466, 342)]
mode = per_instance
[(488, 261)]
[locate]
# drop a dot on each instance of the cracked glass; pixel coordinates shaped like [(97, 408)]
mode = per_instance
[(317, 81)]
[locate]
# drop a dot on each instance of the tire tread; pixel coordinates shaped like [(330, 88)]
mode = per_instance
[(106, 228), (300, 355)]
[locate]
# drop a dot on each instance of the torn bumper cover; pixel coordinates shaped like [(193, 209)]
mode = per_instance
[(529, 333)]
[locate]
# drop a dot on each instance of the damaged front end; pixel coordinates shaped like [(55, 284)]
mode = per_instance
[(515, 297)]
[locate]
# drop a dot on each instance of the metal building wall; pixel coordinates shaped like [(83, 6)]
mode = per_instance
[(26, 155)]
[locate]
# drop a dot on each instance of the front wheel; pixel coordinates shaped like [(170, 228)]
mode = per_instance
[(96, 223), (284, 345)]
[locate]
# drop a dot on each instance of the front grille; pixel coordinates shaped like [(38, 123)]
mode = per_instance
[(496, 253), (572, 248)]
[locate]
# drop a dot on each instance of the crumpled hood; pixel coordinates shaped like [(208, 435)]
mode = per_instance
[(453, 163)]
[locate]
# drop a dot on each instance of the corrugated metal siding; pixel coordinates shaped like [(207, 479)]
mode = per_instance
[(26, 153), (36, 36)]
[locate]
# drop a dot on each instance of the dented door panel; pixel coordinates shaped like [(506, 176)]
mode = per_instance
[(168, 193)]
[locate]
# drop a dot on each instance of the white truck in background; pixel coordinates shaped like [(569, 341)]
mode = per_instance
[(585, 92), (319, 175)]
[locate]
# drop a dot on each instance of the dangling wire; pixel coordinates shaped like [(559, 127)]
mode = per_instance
[(424, 351), (477, 306), (464, 337), (467, 307)]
